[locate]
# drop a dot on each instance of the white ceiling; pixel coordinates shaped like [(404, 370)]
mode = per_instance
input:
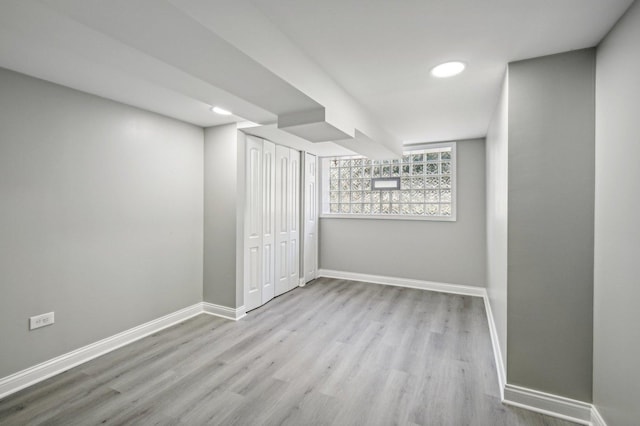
[(365, 63), (381, 51)]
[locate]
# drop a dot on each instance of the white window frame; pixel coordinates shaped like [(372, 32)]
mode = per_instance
[(324, 189)]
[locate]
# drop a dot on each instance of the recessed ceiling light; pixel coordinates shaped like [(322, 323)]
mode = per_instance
[(448, 69), (220, 111)]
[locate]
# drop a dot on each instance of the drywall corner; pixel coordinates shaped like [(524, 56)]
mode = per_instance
[(497, 145), (616, 377), (220, 215)]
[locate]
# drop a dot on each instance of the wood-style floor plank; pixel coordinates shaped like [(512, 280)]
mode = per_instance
[(332, 353)]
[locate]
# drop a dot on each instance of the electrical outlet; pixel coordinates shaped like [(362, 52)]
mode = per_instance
[(41, 321)]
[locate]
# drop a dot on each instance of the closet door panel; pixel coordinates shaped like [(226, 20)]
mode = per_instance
[(294, 219), (268, 221), (282, 219), (310, 220), (253, 224)]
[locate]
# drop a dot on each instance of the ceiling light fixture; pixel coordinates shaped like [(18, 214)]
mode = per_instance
[(448, 69), (220, 111)]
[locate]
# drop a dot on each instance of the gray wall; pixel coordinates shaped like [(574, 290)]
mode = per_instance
[(616, 379), (100, 218), (222, 183), (497, 188), (550, 235), (449, 252)]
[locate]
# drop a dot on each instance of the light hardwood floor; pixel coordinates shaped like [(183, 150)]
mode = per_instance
[(334, 352)]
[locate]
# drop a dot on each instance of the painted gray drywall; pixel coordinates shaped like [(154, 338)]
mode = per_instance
[(221, 198), (550, 233), (616, 376), (497, 188), (241, 139), (100, 218), (449, 252)]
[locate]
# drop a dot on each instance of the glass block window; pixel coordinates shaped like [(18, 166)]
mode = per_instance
[(426, 180)]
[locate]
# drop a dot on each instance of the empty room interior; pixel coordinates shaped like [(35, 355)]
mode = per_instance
[(353, 212)]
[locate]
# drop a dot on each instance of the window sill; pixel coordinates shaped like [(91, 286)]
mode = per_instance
[(388, 217)]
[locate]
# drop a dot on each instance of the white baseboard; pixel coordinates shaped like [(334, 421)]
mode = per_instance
[(553, 405), (545, 403), (495, 343), (405, 282), (50, 368), (224, 311), (40, 372), (596, 418)]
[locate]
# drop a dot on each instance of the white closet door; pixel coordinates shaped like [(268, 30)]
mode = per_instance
[(282, 220), (268, 221), (310, 262), (253, 224), (294, 218)]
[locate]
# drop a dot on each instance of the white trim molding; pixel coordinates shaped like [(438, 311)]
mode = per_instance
[(552, 405), (224, 311), (57, 365), (596, 417), (546, 403), (466, 290), (495, 343)]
